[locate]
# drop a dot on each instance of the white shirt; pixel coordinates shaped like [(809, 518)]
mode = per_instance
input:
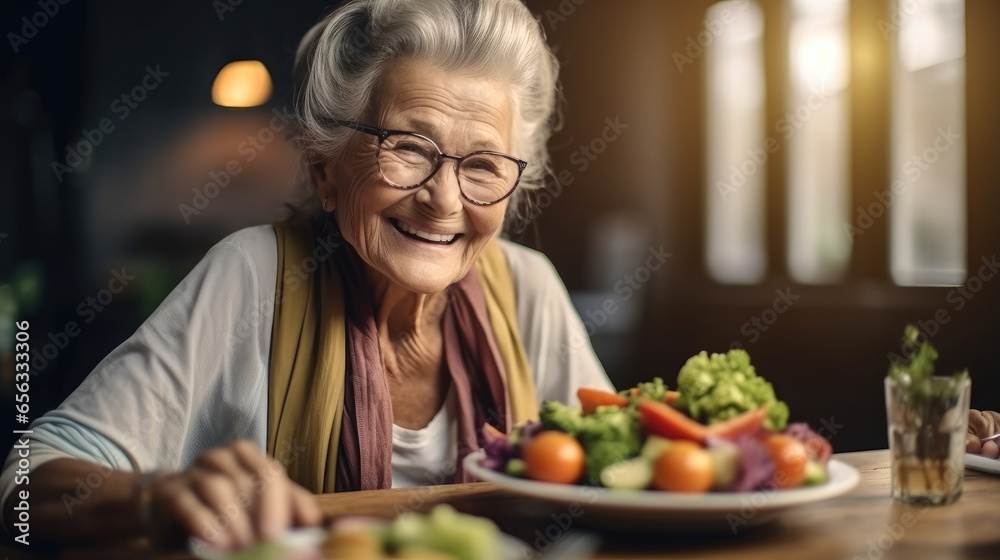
[(414, 450), (194, 375)]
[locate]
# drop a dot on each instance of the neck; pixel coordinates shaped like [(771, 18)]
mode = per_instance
[(412, 348), (401, 314)]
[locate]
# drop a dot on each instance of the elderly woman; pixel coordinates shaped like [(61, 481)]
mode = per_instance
[(360, 345)]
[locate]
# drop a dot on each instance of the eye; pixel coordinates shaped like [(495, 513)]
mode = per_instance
[(406, 146), (483, 165)]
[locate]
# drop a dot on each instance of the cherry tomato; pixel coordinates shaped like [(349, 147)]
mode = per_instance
[(683, 467), (554, 456), (790, 458)]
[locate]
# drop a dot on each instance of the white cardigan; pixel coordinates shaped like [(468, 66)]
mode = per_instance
[(194, 375)]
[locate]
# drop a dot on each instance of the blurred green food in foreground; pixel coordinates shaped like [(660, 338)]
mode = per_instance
[(466, 537)]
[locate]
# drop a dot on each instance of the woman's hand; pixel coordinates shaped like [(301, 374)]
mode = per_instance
[(983, 424), (232, 497)]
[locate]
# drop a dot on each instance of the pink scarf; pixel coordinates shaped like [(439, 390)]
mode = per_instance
[(364, 460)]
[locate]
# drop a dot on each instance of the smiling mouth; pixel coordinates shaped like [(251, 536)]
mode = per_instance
[(415, 233)]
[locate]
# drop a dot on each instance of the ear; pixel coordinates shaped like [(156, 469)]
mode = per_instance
[(321, 174)]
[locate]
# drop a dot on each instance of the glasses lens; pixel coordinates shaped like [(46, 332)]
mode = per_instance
[(406, 160), (487, 177)]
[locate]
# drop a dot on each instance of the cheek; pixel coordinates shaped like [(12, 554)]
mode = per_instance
[(359, 217), (489, 220), (357, 193)]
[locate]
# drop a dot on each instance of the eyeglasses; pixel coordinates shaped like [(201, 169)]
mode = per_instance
[(408, 160)]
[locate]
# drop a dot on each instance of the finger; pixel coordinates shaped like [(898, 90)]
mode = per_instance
[(979, 423), (197, 520), (305, 510), (272, 509), (992, 422), (224, 461), (218, 492), (972, 443), (991, 449)]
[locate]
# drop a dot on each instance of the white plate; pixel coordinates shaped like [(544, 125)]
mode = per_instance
[(980, 463), (647, 509), (300, 541)]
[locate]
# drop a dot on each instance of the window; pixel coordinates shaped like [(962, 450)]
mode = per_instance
[(925, 46), (927, 232), (815, 130), (737, 150)]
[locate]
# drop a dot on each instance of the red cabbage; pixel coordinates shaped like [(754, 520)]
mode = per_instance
[(501, 448), (757, 468), (817, 446), (530, 430)]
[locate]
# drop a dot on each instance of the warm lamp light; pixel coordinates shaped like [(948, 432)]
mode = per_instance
[(242, 83)]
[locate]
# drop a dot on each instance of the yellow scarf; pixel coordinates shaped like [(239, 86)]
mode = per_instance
[(309, 352)]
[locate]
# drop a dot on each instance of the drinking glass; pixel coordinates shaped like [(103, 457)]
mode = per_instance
[(927, 440)]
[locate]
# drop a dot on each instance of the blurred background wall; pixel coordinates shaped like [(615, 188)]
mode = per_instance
[(725, 178)]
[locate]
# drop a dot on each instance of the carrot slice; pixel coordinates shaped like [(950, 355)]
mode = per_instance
[(666, 421), (747, 423), (590, 399)]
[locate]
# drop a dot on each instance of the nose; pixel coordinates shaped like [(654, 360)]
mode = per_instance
[(442, 193)]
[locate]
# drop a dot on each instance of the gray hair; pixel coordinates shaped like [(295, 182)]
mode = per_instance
[(339, 62)]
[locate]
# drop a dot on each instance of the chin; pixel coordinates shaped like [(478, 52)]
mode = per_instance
[(423, 279)]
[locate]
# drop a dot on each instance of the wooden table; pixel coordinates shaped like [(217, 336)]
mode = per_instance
[(862, 524)]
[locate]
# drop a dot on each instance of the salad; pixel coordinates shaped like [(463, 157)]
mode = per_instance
[(441, 534), (722, 429)]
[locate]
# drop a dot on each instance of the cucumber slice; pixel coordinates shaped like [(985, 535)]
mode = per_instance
[(630, 474), (725, 464), (516, 467), (815, 474), (654, 447)]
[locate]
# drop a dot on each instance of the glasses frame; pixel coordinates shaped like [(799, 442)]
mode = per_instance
[(382, 134)]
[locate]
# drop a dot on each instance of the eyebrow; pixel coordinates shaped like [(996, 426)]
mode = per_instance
[(432, 130), (423, 126)]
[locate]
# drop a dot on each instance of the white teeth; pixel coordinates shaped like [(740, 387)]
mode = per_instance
[(424, 235)]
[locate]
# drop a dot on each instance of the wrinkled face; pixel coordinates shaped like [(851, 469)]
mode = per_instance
[(388, 226)]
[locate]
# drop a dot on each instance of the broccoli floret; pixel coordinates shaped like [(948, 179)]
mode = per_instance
[(601, 454), (654, 390), (610, 435), (559, 416), (717, 387)]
